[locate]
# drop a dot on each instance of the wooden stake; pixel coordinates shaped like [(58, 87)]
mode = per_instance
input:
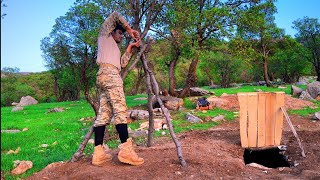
[(155, 89), (293, 130)]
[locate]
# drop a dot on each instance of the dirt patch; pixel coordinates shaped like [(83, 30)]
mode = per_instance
[(212, 154)]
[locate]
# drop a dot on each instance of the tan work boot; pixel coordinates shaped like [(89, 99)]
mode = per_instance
[(127, 154), (99, 156)]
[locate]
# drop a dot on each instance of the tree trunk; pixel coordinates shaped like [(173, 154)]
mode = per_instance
[(265, 71), (155, 89), (191, 78), (172, 77), (138, 82), (150, 110)]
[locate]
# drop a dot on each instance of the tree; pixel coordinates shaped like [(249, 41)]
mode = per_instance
[(288, 61), (206, 19), (2, 6), (70, 50), (256, 26), (309, 35)]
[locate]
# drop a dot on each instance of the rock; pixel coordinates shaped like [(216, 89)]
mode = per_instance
[(196, 91), (316, 116), (305, 96), (44, 145), (313, 89), (57, 109), (27, 100), (14, 103), (192, 118), (139, 114), (10, 131), (218, 118), (163, 133), (258, 166), (22, 167), (140, 99), (17, 108), (91, 141), (171, 103), (10, 151), (296, 91), (218, 102), (158, 124)]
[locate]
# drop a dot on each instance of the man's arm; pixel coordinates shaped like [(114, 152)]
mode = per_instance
[(127, 55), (110, 24)]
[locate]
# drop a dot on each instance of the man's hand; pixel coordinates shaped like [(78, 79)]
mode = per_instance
[(134, 44), (134, 34)]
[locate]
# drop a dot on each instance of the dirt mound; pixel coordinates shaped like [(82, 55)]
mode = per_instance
[(212, 154)]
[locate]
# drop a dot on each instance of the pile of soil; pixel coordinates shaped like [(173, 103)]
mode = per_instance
[(212, 154)]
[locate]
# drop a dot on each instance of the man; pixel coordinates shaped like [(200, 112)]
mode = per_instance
[(112, 100)]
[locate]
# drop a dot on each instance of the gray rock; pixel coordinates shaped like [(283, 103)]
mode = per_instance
[(316, 116), (27, 100), (57, 109), (192, 118), (10, 131), (305, 96), (18, 108), (296, 91), (171, 103), (196, 91), (313, 89), (139, 114)]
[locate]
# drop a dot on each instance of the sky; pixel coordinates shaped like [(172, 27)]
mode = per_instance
[(29, 21)]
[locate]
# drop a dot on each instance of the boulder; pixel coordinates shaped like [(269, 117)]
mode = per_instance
[(316, 116), (27, 100), (171, 103), (138, 114), (218, 102), (305, 96), (313, 89), (296, 91), (192, 118), (22, 167), (196, 91)]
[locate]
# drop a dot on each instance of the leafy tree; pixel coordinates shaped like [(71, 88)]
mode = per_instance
[(70, 51), (288, 61), (257, 27), (309, 35)]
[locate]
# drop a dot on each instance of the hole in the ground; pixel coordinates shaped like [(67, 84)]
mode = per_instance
[(271, 157)]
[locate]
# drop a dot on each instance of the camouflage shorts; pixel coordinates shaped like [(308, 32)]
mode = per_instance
[(112, 100)]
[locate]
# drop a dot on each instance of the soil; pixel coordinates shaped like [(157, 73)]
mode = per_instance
[(211, 154)]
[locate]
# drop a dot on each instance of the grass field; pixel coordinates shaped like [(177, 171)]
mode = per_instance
[(62, 132)]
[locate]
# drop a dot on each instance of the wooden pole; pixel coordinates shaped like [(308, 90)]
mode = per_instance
[(155, 89), (293, 130)]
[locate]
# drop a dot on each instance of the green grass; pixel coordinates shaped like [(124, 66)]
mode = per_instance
[(66, 129), (218, 92), (307, 111)]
